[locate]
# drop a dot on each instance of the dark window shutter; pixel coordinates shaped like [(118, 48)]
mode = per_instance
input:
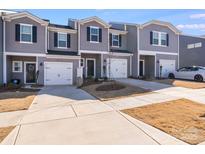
[(167, 39), (151, 37), (34, 34), (110, 39), (88, 33), (17, 27), (100, 35), (120, 40), (55, 39), (68, 40)]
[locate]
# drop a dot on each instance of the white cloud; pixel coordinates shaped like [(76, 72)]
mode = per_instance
[(197, 16), (191, 26)]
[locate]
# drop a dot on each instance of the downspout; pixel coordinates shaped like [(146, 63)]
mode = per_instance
[(4, 54)]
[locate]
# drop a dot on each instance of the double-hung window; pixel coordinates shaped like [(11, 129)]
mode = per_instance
[(94, 34), (159, 38), (17, 66), (115, 40), (155, 38), (26, 33), (62, 40)]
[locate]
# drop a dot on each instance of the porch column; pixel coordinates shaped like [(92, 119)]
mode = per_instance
[(102, 66), (4, 69)]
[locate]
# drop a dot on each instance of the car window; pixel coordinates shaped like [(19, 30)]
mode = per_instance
[(194, 69), (184, 69)]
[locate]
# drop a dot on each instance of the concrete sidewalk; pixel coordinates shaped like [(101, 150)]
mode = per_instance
[(67, 115)]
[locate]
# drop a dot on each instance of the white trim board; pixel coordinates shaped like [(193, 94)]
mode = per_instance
[(93, 52), (62, 57), (120, 54), (25, 54), (146, 52)]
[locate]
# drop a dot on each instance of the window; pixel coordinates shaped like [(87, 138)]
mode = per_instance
[(62, 40), (17, 66), (194, 45), (159, 38), (82, 62), (155, 38), (163, 39), (94, 34), (198, 45), (115, 40), (25, 33), (190, 46)]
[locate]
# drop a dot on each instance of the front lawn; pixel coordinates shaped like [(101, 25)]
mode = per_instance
[(183, 119), (111, 90), (4, 131), (182, 83), (14, 100)]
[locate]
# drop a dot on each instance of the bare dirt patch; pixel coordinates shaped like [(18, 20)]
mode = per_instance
[(180, 118), (4, 132), (16, 100), (182, 83), (112, 90)]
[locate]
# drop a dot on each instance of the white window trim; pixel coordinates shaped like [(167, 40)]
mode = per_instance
[(116, 40), (83, 62), (98, 35), (159, 39), (31, 42), (66, 40), (13, 66)]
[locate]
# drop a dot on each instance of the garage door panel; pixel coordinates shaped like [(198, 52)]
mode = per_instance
[(58, 73), (118, 68), (167, 67)]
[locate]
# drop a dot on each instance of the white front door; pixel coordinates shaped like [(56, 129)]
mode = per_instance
[(58, 73), (166, 67), (118, 68)]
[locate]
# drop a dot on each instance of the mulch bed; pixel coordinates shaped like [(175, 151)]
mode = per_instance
[(4, 132)]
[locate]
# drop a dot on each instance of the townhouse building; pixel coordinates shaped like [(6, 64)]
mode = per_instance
[(191, 51), (34, 50)]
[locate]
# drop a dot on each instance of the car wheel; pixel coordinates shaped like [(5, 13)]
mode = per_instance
[(171, 76), (198, 78)]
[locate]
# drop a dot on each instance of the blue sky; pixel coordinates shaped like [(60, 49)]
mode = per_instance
[(189, 21)]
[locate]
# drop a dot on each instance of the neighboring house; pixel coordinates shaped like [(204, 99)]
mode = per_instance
[(158, 49), (51, 54), (1, 50), (192, 51)]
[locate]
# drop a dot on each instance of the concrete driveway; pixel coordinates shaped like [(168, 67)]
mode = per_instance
[(67, 115)]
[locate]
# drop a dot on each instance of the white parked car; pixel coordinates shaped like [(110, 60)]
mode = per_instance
[(196, 73)]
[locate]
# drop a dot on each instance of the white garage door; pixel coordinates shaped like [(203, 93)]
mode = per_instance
[(118, 68), (58, 73), (167, 67)]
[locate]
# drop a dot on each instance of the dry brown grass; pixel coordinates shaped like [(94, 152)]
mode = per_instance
[(108, 94), (179, 118), (182, 83), (16, 100), (4, 131)]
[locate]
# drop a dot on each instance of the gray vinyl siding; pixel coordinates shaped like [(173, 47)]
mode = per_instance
[(123, 43), (44, 59), (87, 45), (14, 46), (133, 47), (144, 40), (1, 51), (17, 75), (190, 57), (73, 43)]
